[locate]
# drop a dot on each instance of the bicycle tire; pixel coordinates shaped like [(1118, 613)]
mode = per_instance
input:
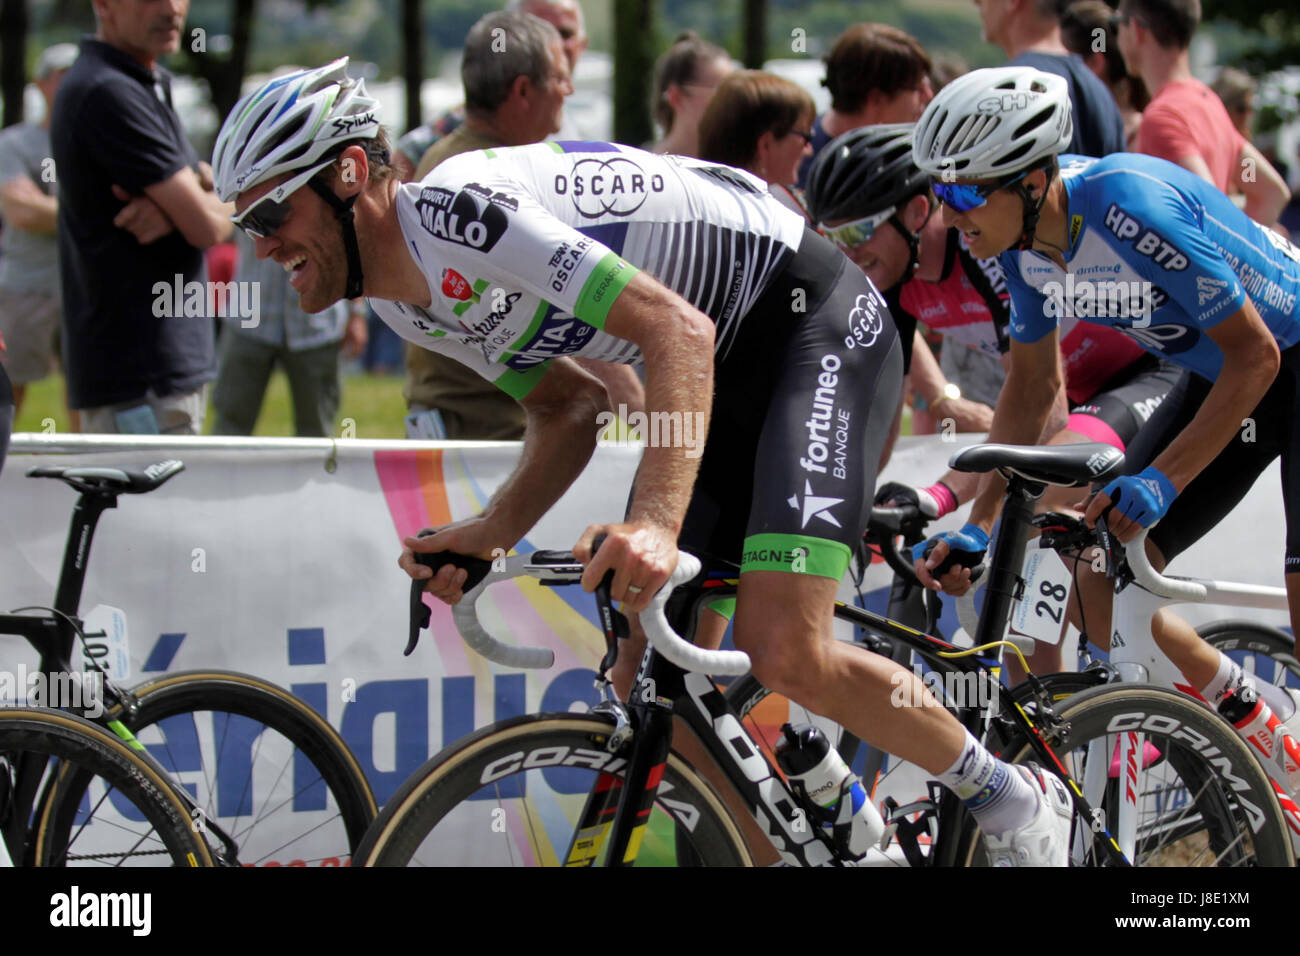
[(536, 828), (1189, 817), (261, 784), (1251, 644), (53, 839)]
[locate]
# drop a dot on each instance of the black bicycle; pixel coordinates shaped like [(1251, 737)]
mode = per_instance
[(608, 788), (262, 776)]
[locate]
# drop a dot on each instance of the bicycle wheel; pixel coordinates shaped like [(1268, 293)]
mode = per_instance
[(1196, 794), (260, 763), (513, 793), (92, 832), (1263, 652)]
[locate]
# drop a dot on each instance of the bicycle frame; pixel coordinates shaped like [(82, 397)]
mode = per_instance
[(54, 639)]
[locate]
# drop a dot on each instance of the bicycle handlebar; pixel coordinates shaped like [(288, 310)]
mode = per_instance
[(672, 645), (1155, 582), (472, 632), (562, 568)]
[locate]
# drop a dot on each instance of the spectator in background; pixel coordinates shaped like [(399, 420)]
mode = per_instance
[(1030, 33), (685, 78), (1088, 30), (1236, 89), (29, 255), (6, 408), (760, 122), (875, 74), (564, 15), (512, 97), (1185, 123), (305, 345), (136, 209), (945, 68)]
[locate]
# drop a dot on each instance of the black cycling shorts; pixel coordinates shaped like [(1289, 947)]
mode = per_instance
[(803, 402), (1124, 404), (1271, 430)]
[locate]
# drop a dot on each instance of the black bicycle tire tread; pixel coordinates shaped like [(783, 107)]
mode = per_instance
[(412, 799), (321, 736), (57, 733), (211, 690)]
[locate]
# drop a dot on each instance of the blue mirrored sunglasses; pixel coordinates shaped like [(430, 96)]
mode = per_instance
[(264, 217), (963, 197)]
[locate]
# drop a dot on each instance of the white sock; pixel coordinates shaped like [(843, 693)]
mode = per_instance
[(997, 794), (1231, 677)]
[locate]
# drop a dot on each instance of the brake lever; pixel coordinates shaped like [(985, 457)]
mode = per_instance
[(420, 614)]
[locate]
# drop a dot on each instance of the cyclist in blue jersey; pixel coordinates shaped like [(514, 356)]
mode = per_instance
[(515, 260), (1154, 251)]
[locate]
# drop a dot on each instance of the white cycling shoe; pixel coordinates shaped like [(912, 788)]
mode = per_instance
[(1045, 839)]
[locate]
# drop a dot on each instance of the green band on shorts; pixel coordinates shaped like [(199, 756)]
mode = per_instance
[(723, 607), (796, 553)]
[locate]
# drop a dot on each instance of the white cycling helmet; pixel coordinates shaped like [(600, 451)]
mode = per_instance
[(989, 123), (291, 123)]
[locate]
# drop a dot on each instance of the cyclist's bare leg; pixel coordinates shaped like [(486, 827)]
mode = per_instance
[(783, 621)]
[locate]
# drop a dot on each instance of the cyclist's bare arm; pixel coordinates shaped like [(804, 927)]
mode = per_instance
[(626, 393), (559, 438), (1250, 363), (676, 341), (1033, 385)]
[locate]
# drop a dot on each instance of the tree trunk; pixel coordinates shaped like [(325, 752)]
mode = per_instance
[(224, 75), (634, 46), (13, 58), (755, 33), (412, 60)]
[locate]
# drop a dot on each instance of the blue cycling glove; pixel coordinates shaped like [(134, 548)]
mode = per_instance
[(966, 546), (1144, 497)]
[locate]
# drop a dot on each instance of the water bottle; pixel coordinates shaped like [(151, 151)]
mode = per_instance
[(828, 790), (1262, 730)]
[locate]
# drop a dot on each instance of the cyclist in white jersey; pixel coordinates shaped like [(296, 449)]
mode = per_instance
[(513, 260), (1147, 248)]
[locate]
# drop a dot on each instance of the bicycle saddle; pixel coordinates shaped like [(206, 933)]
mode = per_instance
[(111, 480), (1069, 465)]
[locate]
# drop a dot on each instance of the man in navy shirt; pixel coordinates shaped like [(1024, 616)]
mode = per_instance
[(136, 210), (1030, 33)]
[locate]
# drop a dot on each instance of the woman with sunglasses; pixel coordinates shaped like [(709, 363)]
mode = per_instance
[(760, 122), (1187, 275)]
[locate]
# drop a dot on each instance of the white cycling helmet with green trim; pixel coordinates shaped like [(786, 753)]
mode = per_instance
[(989, 123), (291, 123)]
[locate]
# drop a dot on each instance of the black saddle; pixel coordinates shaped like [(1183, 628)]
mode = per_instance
[(1070, 465), (116, 481)]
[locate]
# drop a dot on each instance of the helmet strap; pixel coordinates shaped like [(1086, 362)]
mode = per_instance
[(913, 240), (1032, 209), (345, 214)]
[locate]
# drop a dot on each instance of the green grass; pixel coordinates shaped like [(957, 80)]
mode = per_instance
[(373, 404)]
